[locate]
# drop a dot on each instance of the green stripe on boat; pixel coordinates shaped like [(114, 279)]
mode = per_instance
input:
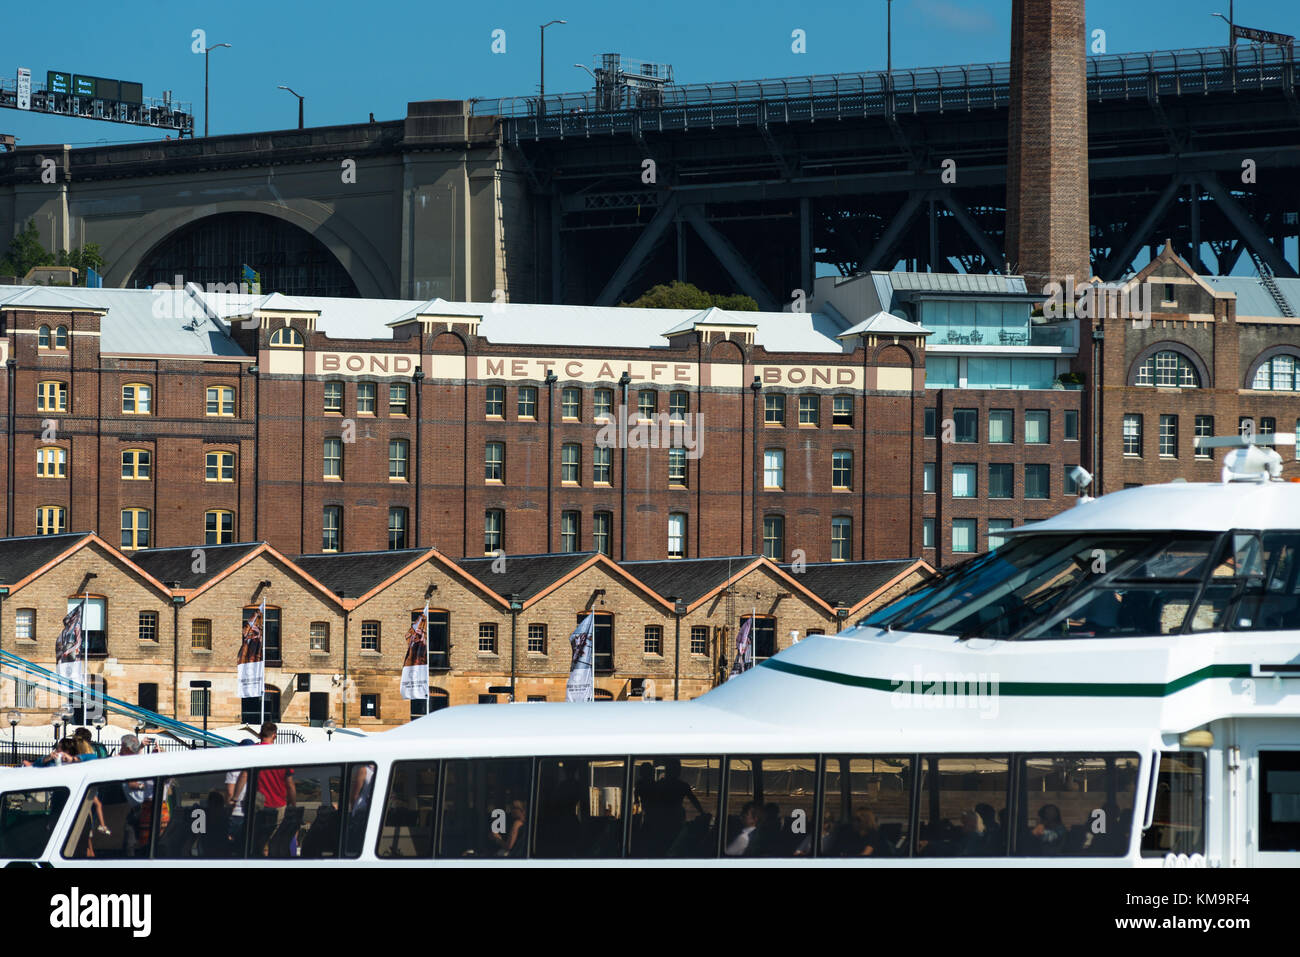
[(1039, 689)]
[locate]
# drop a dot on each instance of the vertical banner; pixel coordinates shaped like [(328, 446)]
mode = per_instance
[(70, 651), (251, 668), (24, 88), (582, 685), (744, 649), (415, 666)]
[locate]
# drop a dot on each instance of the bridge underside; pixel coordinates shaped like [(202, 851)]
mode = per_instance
[(756, 208)]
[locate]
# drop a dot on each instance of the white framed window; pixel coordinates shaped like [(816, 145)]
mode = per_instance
[(774, 468), (319, 636), (927, 477), (25, 624), (677, 535), (927, 533)]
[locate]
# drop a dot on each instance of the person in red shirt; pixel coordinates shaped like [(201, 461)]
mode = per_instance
[(275, 786)]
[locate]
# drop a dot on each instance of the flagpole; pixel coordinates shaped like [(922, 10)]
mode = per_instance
[(83, 654), (428, 651), (753, 627)]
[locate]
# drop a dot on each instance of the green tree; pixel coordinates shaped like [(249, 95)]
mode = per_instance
[(684, 295), (25, 252)]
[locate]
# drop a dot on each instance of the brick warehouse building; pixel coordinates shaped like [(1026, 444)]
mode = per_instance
[(167, 418), (335, 631)]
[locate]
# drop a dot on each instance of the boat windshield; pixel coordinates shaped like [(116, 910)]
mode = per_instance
[(1110, 584)]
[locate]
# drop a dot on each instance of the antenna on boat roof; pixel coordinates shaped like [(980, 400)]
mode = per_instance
[(1251, 460)]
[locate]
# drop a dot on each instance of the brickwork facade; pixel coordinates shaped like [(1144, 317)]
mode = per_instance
[(1194, 366), (340, 655)]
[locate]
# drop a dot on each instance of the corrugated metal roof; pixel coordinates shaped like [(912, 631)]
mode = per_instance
[(139, 321), (1252, 298), (954, 282)]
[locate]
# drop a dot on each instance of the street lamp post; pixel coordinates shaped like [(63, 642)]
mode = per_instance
[(541, 86), (205, 83), (889, 36), (99, 723), (14, 718), (300, 99), (1232, 34)]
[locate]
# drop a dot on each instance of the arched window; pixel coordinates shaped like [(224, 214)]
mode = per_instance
[(1167, 369), (1279, 372), (287, 336), (61, 337), (43, 337)]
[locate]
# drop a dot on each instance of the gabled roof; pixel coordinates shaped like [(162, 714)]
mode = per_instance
[(357, 573), (525, 575), (28, 557), (177, 564), (687, 578), (229, 559), (696, 580), (851, 584), (21, 557), (362, 575), (885, 324)]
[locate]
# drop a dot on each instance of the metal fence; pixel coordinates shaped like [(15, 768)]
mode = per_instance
[(927, 90), (11, 756)]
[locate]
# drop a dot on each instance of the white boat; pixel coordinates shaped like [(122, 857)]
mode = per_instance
[(1116, 686)]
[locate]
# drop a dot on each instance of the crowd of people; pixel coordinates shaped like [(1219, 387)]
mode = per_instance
[(82, 746)]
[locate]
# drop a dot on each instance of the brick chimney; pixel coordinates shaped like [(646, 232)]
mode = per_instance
[(1047, 135)]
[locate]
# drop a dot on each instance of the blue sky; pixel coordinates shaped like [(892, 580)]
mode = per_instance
[(351, 58)]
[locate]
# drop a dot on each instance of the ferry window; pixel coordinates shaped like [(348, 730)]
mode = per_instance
[(1075, 805), (115, 820), (866, 803), (27, 819), (963, 807), (770, 805), (295, 812), (579, 807), (206, 816), (1178, 824), (1038, 586), (485, 808), (407, 829), (1279, 801), (1271, 589), (675, 809), (358, 796)]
